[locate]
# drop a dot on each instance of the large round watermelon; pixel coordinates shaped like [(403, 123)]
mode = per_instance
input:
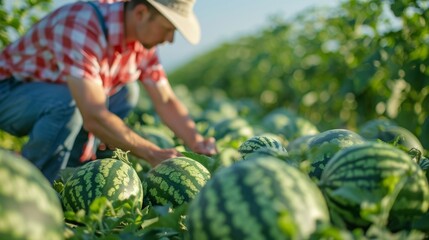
[(111, 178), (175, 181), (260, 198), (323, 146), (29, 206), (369, 174)]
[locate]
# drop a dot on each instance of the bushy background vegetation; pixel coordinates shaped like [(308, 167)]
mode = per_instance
[(336, 67)]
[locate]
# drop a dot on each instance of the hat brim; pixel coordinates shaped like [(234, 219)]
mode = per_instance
[(188, 26)]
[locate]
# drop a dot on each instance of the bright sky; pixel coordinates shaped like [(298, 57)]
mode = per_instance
[(223, 20)]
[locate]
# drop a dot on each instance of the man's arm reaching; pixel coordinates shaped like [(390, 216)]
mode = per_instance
[(109, 128), (175, 115)]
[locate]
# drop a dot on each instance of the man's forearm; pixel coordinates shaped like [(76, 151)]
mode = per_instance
[(176, 117), (111, 130)]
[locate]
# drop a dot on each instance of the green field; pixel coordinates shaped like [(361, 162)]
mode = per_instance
[(361, 66)]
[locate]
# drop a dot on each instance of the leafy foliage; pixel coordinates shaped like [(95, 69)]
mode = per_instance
[(16, 17), (336, 67)]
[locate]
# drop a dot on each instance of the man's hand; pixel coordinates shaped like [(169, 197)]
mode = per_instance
[(206, 147), (108, 127), (155, 157), (175, 115)]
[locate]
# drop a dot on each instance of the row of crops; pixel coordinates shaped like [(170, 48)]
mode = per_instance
[(308, 160), (277, 176)]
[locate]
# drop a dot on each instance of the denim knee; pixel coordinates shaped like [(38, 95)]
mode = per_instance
[(52, 139)]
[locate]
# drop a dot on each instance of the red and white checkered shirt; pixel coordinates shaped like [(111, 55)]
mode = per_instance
[(70, 42)]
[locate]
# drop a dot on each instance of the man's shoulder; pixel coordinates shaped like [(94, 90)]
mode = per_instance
[(71, 12)]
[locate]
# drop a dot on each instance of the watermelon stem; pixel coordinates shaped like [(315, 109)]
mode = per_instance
[(121, 155)]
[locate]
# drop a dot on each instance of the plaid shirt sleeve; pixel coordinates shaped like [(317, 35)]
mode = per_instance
[(78, 42), (67, 42)]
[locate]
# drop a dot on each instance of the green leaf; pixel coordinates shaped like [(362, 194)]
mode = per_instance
[(165, 222)]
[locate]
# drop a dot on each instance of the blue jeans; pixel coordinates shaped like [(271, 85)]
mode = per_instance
[(48, 114)]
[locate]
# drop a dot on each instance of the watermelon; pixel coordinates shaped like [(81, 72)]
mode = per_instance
[(297, 148), (260, 198), (299, 144), (375, 125), (261, 142), (323, 146), (289, 124), (29, 205), (369, 172), (175, 181), (111, 178), (234, 128), (395, 135), (226, 157)]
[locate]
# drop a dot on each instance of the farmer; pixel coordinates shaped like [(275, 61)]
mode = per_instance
[(70, 81)]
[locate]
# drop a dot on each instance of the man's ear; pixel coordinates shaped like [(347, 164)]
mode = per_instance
[(140, 10)]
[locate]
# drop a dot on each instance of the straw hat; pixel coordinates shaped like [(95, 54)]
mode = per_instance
[(180, 14)]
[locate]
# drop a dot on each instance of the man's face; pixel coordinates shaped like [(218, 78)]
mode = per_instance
[(154, 29)]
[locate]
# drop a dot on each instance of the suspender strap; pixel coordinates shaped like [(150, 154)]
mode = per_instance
[(100, 18), (90, 148)]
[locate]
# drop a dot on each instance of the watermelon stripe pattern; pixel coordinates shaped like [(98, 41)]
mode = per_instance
[(366, 168), (247, 200), (111, 178), (260, 142), (323, 146), (175, 181), (29, 206)]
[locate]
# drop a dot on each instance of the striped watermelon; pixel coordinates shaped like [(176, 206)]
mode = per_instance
[(324, 145), (260, 198), (29, 206), (111, 178), (261, 142), (396, 135), (175, 181), (366, 173)]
